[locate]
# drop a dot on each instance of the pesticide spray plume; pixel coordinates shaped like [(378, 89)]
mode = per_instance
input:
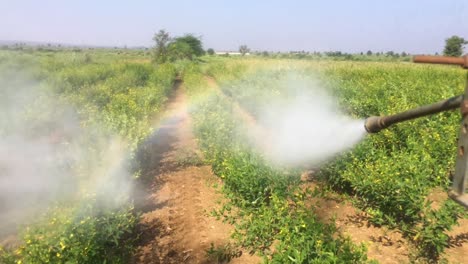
[(305, 127), (45, 155)]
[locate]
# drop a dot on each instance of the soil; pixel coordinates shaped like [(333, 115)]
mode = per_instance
[(176, 196), (458, 243), (457, 251), (383, 245)]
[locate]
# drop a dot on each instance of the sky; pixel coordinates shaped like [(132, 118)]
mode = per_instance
[(415, 26)]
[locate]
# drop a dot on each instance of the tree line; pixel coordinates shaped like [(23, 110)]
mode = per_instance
[(189, 47), (168, 49)]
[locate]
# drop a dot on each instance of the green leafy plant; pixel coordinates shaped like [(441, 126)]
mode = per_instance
[(112, 98), (265, 204), (389, 174), (82, 234), (223, 254)]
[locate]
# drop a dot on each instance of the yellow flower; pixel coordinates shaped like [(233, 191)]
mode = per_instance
[(319, 243), (58, 255)]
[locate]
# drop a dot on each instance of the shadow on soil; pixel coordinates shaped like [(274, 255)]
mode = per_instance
[(152, 161), (150, 158)]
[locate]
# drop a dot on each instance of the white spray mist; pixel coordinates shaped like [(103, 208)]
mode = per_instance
[(305, 127), (47, 157)]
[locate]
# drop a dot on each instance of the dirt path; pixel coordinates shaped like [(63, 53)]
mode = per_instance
[(458, 243), (457, 251), (176, 197)]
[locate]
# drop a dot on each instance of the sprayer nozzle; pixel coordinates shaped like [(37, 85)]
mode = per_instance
[(373, 124)]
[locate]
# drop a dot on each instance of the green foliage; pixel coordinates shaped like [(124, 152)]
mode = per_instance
[(393, 172), (179, 50), (210, 51), (81, 234), (243, 49), (430, 236), (390, 173), (269, 206), (169, 49), (120, 96), (193, 42), (223, 254), (161, 39), (454, 46), (112, 99)]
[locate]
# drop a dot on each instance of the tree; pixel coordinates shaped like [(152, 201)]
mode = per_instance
[(369, 53), (210, 51), (171, 49), (243, 49), (194, 43), (454, 46), (179, 50), (162, 39)]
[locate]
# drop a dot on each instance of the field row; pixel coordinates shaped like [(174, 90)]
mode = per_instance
[(391, 176), (85, 114)]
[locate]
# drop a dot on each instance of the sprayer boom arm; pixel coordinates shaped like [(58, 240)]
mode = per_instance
[(376, 123), (462, 61)]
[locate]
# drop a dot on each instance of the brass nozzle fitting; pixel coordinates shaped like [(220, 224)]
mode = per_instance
[(373, 124)]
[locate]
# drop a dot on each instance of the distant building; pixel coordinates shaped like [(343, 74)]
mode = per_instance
[(230, 53)]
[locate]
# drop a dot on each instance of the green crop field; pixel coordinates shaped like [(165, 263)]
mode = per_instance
[(109, 97), (388, 175), (114, 96)]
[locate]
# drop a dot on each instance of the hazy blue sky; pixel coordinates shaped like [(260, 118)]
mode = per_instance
[(416, 26)]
